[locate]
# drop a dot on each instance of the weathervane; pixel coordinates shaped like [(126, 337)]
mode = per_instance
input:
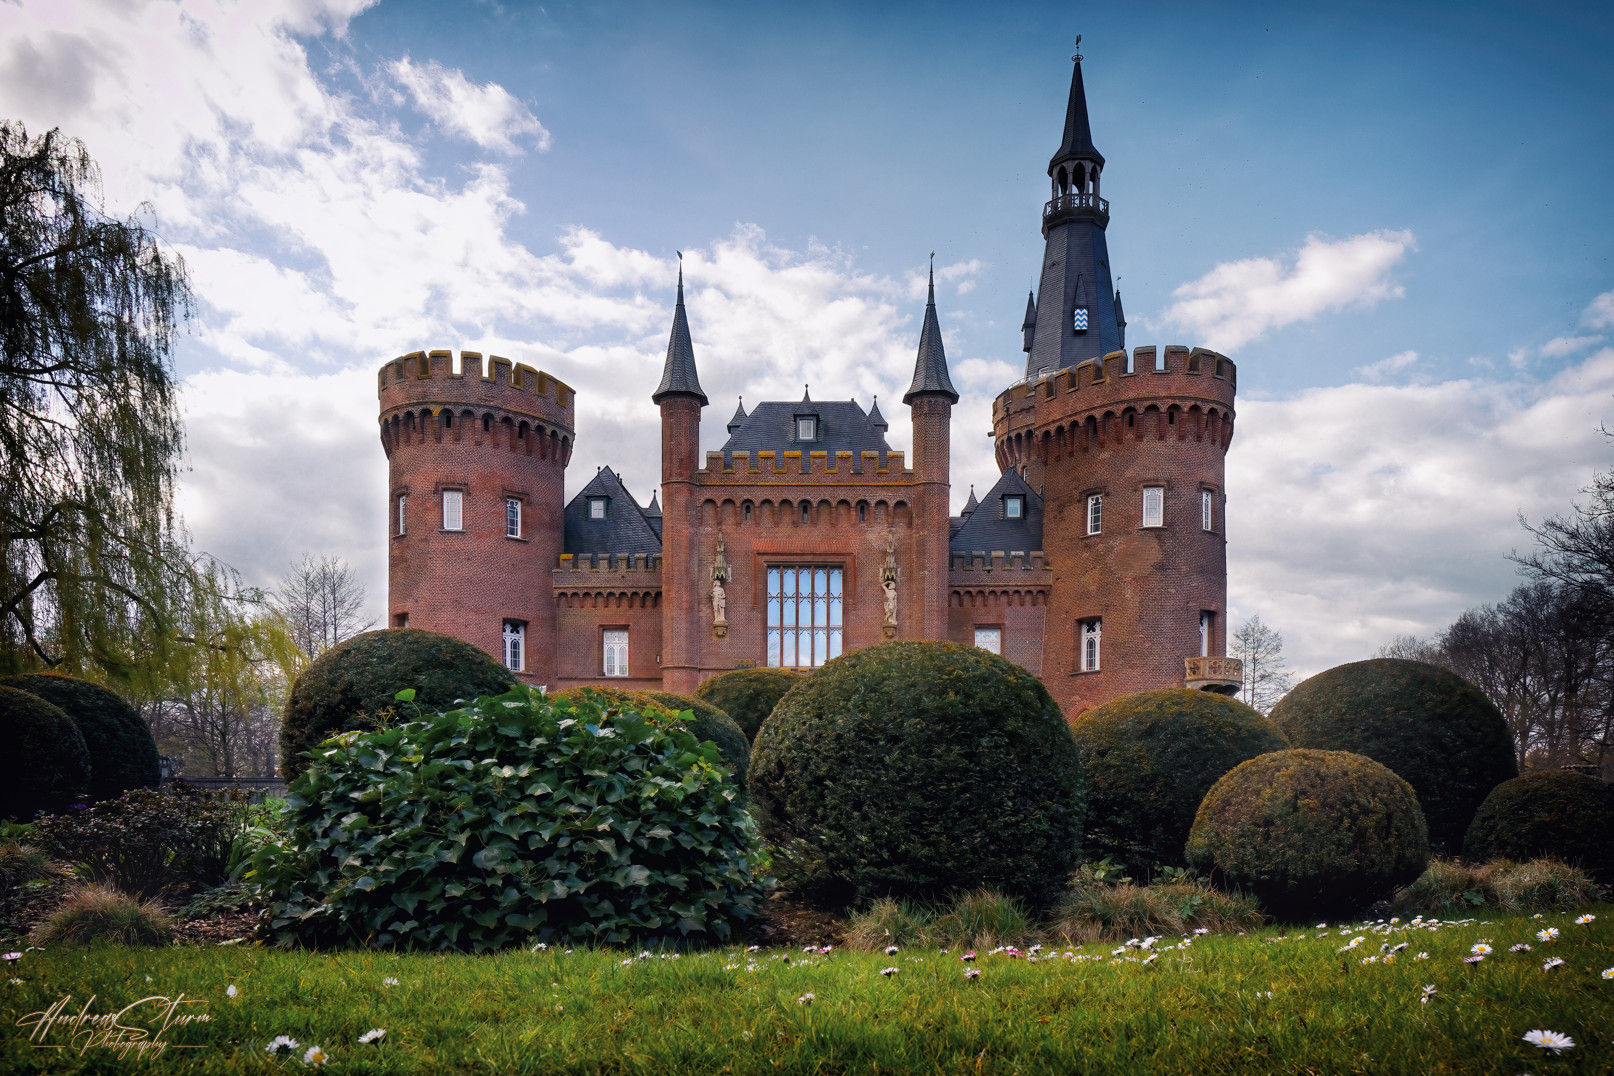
[(1078, 56)]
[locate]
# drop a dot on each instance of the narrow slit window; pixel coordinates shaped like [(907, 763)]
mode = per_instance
[(403, 516), (1207, 625), (515, 645), (1154, 506), (1207, 510), (1095, 513), (1092, 636), (453, 510), (512, 517)]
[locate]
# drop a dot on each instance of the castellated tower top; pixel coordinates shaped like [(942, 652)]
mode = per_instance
[(428, 382)]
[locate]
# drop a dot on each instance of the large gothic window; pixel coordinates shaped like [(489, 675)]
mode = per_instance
[(804, 615)]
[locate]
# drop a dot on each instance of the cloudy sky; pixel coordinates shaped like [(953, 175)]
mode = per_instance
[(1394, 216)]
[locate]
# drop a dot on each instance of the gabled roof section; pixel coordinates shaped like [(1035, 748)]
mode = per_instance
[(842, 427), (987, 529), (1078, 140), (625, 528), (678, 376), (930, 366)]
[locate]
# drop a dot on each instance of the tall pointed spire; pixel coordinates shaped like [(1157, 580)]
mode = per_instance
[(930, 367), (1028, 327), (1120, 319), (678, 374), (1078, 141)]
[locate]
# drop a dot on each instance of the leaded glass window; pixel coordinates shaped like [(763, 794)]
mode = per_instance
[(804, 615)]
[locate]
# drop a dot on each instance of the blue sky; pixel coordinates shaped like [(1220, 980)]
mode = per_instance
[(1393, 216)]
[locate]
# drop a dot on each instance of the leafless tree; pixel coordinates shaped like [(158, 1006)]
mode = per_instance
[(1261, 649), (322, 602)]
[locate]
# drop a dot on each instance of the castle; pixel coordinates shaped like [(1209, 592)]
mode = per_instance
[(1098, 560)]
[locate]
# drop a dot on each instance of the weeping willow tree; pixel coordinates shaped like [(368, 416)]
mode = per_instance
[(92, 563)]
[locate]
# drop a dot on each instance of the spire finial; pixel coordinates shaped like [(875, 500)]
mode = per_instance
[(932, 299), (680, 277), (1078, 56)]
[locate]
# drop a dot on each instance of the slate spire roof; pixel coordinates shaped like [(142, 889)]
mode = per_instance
[(972, 504), (1028, 328), (678, 375), (876, 419), (930, 367), (1078, 140), (739, 416)]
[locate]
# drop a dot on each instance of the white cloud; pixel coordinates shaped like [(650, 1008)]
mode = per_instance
[(1379, 371), (1599, 314), (1560, 346), (1238, 302), (485, 113)]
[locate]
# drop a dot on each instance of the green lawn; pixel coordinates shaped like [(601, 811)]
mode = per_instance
[(1273, 1001)]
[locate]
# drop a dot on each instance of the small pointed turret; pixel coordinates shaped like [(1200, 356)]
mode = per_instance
[(972, 504), (739, 416), (806, 395), (1120, 319), (876, 419), (655, 506), (930, 367), (678, 376)]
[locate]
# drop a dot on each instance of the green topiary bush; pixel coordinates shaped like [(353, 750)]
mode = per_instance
[(123, 754), (1547, 813), (48, 765), (1311, 832), (354, 685), (517, 817), (916, 769), (748, 695), (1433, 728), (1150, 758), (709, 723)]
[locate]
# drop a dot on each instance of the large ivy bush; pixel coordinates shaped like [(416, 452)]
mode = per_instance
[(1553, 813), (1150, 758), (515, 817), (47, 763), (123, 754), (705, 721), (1437, 731), (353, 685), (748, 695), (1311, 832), (917, 769)]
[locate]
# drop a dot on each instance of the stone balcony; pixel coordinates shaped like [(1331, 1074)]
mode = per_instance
[(1225, 676)]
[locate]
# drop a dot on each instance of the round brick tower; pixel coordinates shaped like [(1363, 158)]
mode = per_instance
[(1128, 456), (477, 467)]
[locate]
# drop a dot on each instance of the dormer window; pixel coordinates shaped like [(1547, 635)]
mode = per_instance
[(1078, 320), (1014, 507), (596, 507), (806, 427)]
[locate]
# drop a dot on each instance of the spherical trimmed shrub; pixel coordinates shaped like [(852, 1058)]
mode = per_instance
[(1541, 813), (709, 723), (355, 683), (748, 696), (123, 754), (1150, 758), (47, 764), (1428, 724), (1311, 832), (919, 768), (514, 819)]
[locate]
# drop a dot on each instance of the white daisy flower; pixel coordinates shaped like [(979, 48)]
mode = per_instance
[(1608, 973), (805, 999), (888, 972), (230, 991), (389, 981), (1421, 956), (1549, 1040), (1480, 949), (373, 1035), (314, 1057), (1583, 920), (1548, 934), (1552, 962), (281, 1044), (891, 950)]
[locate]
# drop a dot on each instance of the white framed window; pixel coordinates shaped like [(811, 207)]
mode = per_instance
[(515, 645), (616, 652), (1154, 506), (804, 615), (989, 639), (596, 508), (1095, 513), (453, 510), (1014, 507), (512, 517), (1207, 625), (1092, 636), (1207, 510), (403, 499), (806, 428)]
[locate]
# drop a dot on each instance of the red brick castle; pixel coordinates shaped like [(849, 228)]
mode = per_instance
[(1097, 561)]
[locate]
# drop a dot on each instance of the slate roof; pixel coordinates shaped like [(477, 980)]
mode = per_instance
[(1078, 141), (930, 366), (985, 530), (843, 426), (626, 527), (678, 373)]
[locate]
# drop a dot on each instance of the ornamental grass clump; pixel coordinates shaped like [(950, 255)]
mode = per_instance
[(978, 919), (1310, 833), (748, 695), (123, 754), (1451, 888), (1149, 759), (920, 769), (516, 818), (1090, 913), (1553, 813), (1438, 732), (97, 913)]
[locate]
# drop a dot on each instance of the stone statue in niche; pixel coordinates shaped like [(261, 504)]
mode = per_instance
[(888, 586), (720, 600)]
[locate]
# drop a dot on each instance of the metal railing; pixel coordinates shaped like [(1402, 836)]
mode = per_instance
[(1074, 200)]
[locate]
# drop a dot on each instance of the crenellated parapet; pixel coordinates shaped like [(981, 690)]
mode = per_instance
[(1175, 393), (793, 466), (993, 577), (426, 396)]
